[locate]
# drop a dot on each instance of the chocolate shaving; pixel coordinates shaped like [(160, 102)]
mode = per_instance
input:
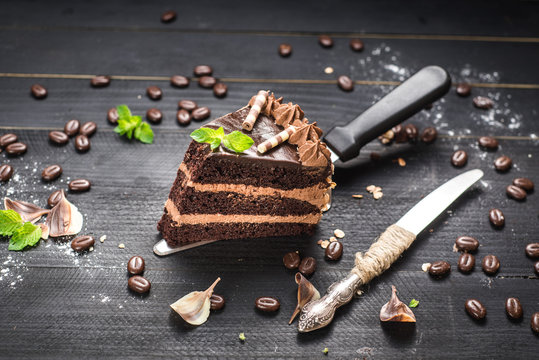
[(396, 310), (64, 219), (306, 293), (27, 211)]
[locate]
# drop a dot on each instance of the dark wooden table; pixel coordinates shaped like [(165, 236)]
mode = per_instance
[(55, 304)]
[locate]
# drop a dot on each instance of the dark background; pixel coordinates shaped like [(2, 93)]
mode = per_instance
[(57, 304)]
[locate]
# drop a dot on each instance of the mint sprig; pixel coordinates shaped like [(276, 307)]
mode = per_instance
[(413, 303), (10, 221), (130, 126), (22, 234), (235, 141)]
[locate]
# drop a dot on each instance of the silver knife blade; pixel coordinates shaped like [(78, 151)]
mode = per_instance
[(428, 209), (334, 157)]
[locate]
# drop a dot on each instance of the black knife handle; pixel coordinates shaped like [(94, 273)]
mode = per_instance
[(424, 87)]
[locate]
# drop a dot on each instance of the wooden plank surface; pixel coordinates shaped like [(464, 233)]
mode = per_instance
[(56, 304)]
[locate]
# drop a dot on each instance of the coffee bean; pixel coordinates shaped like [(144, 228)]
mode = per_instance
[(334, 250), (216, 302), (38, 91), (51, 173), (267, 304), (88, 128), (203, 70), (82, 143), (503, 163), (488, 142), (399, 134), (532, 250), (411, 132), (482, 102), (154, 115), (523, 183), (356, 45), (536, 267), (429, 135), (135, 265), (79, 185), (513, 308), (207, 82), (100, 81), (475, 309), (188, 105), (17, 148), (54, 198), (168, 16), (58, 137), (139, 284), (466, 243), (154, 92), (345, 83), (459, 158), (72, 127), (112, 115), (183, 117), (220, 90), (6, 171), (439, 268), (466, 262), (307, 266), (179, 81), (285, 50), (201, 113), (463, 89), (7, 139), (535, 322), (490, 264), (496, 217), (325, 41), (82, 243), (291, 260), (515, 192)]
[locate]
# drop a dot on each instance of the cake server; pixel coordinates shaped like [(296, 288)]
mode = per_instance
[(385, 250)]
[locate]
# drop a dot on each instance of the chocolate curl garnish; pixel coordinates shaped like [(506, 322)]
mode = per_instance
[(304, 133), (256, 107), (306, 293), (285, 114), (276, 140), (314, 153), (64, 219), (27, 211), (396, 310)]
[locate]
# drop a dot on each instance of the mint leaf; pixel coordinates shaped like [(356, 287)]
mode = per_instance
[(237, 141), (220, 133), (215, 143), (130, 126), (123, 112), (144, 133), (10, 221), (204, 135), (413, 303), (27, 235)]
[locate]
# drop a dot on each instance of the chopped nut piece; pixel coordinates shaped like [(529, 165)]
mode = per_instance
[(358, 196), (332, 239), (319, 241), (91, 248), (401, 162), (371, 188), (377, 195), (103, 238), (324, 244), (339, 233), (425, 267), (121, 246), (387, 137), (328, 70), (377, 189)]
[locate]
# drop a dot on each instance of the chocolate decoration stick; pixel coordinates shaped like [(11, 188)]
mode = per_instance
[(276, 140), (259, 102)]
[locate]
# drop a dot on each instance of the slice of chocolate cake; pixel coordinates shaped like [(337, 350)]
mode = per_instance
[(221, 194)]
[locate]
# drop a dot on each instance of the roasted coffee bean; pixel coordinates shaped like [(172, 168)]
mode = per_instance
[(82, 243), (203, 70), (466, 262), (399, 134), (179, 81), (72, 127), (82, 143), (154, 92), (503, 163), (285, 50), (54, 198), (532, 250), (168, 16), (51, 172), (515, 192), (459, 158), (38, 91), (466, 243), (411, 132), (334, 250), (488, 142), (475, 309), (439, 268), (356, 45), (267, 304), (6, 171), (79, 185), (135, 265), (345, 83), (58, 137), (100, 81), (490, 264), (201, 113), (536, 267), (513, 308), (482, 102), (183, 117), (463, 89), (188, 105), (7, 139), (216, 302), (307, 266), (88, 128), (154, 115), (220, 90), (325, 41), (139, 284), (17, 148), (112, 115), (496, 217), (535, 322), (523, 183), (291, 260), (207, 82), (429, 135)]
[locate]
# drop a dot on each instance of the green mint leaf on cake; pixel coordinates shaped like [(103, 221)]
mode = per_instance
[(26, 235), (235, 141), (204, 135), (130, 126), (413, 303), (10, 221)]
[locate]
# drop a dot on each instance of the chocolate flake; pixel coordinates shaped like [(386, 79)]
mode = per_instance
[(396, 310), (27, 211), (64, 219)]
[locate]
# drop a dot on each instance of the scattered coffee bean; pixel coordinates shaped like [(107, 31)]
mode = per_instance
[(536, 267), (466, 262), (496, 217), (183, 117), (334, 250), (6, 171), (325, 41), (267, 304), (82, 143), (291, 260), (154, 92), (88, 128), (532, 250), (100, 81), (139, 284), (439, 268), (72, 127), (345, 83), (482, 102), (515, 192), (459, 158), (79, 185), (307, 266), (488, 142), (285, 50), (168, 16), (58, 137), (38, 91), (82, 243), (535, 322), (112, 116), (201, 113), (513, 308), (17, 148), (216, 302), (220, 90), (135, 265), (490, 264), (411, 132), (466, 243), (7, 139), (475, 309), (54, 198), (207, 81), (503, 163), (154, 115), (523, 183), (203, 70), (463, 89), (179, 81), (429, 135), (51, 173), (188, 105), (356, 45)]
